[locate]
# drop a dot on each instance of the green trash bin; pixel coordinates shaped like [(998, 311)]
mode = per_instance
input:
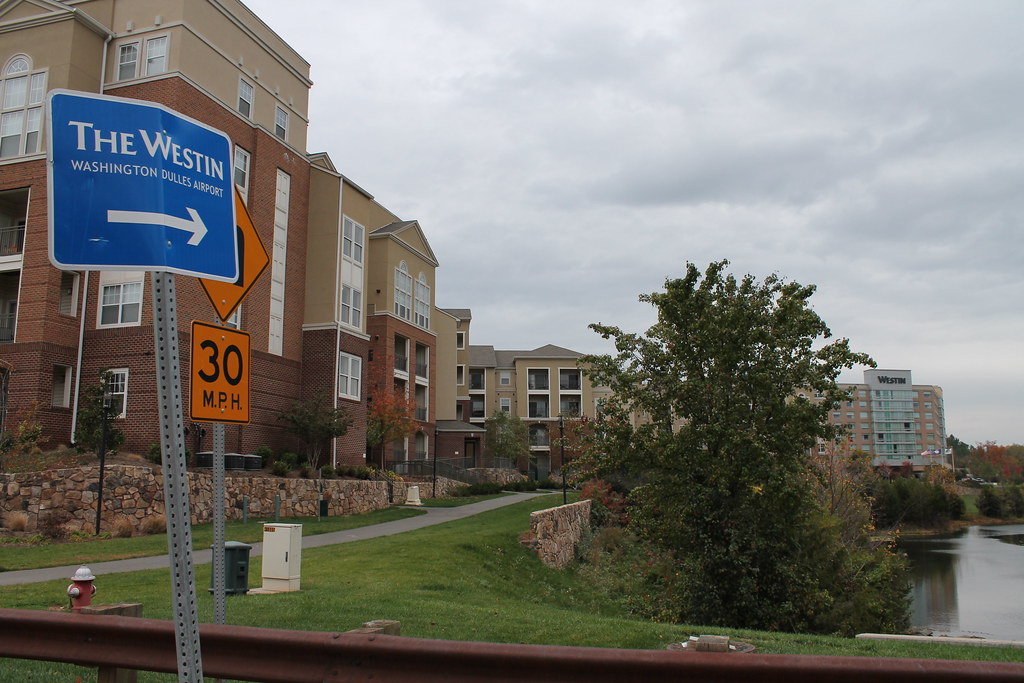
[(236, 568)]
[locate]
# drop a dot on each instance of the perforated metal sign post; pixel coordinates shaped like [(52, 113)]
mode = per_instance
[(220, 607), (172, 448)]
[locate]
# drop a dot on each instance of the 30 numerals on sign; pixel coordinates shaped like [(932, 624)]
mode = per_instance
[(220, 374)]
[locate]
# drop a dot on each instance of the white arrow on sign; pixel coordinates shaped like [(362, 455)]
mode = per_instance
[(194, 225)]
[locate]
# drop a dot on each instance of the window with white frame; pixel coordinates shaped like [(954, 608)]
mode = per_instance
[(505, 377), (127, 61), (281, 123), (242, 161), (505, 404), (460, 340), (235, 319), (68, 304), (156, 56), (350, 372), (422, 318), (352, 243), (403, 292), (277, 273), (22, 115), (460, 375), (120, 298), (117, 390), (245, 93)]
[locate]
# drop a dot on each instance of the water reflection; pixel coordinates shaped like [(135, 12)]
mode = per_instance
[(969, 583)]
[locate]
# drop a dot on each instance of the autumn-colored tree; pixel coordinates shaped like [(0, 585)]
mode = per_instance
[(390, 412), (989, 460)]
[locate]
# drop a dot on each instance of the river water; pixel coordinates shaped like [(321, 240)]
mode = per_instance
[(970, 583)]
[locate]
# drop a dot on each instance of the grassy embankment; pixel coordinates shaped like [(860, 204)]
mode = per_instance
[(465, 580)]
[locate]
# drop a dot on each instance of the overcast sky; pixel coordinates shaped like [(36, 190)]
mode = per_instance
[(565, 156)]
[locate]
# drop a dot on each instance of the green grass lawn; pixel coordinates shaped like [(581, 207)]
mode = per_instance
[(464, 580), (17, 557), (458, 502)]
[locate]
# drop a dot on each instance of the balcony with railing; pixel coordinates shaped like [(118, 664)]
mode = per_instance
[(569, 380), (11, 245), (7, 328), (476, 380)]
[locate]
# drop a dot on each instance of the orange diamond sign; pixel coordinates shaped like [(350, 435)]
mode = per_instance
[(252, 261)]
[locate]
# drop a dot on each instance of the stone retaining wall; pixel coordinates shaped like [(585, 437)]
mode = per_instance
[(557, 531), (135, 493)]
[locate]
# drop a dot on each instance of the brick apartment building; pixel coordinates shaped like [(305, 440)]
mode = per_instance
[(312, 319)]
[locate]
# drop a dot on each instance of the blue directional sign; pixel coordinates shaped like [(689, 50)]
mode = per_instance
[(134, 185)]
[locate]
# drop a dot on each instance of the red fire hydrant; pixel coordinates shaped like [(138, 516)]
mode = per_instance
[(82, 589)]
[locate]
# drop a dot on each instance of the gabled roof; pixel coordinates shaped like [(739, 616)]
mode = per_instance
[(507, 359), (460, 313), (396, 231), (22, 13), (481, 356)]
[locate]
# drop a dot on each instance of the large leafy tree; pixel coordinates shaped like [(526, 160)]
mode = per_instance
[(507, 436), (720, 393)]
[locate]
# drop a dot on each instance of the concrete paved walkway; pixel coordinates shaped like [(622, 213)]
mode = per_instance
[(433, 516)]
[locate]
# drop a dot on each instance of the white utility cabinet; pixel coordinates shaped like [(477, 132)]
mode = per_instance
[(282, 557)]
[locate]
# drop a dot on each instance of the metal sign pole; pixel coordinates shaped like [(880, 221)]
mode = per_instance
[(219, 571), (172, 447)]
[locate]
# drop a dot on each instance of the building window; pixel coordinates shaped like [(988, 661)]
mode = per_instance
[(277, 273), (350, 369), (68, 304), (235, 319), (242, 161), (537, 380), (120, 304), (460, 340), (403, 292), (422, 318), (281, 123), (117, 388), (476, 407), (476, 379), (569, 380), (505, 404), (127, 61), (245, 98), (61, 396), (352, 273), (538, 406), (505, 378), (156, 56), (22, 116), (460, 375), (570, 406), (351, 306)]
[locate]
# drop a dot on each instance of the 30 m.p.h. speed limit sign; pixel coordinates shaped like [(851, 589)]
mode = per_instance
[(220, 374)]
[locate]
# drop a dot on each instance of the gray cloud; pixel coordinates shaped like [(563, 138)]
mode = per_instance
[(566, 157)]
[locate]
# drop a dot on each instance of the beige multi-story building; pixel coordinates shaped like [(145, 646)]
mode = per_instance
[(541, 387), (894, 420)]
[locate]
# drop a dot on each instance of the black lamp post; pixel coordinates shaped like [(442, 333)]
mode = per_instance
[(561, 442), (104, 417)]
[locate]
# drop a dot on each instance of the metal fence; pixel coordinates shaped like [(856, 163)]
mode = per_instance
[(272, 655)]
